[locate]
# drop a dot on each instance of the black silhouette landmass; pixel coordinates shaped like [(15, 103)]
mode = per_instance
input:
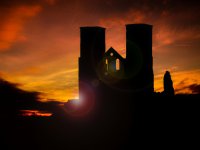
[(164, 121)]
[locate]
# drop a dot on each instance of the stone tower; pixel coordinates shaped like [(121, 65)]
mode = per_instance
[(92, 50), (139, 60)]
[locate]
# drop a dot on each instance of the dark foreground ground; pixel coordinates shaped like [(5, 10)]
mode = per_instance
[(161, 122)]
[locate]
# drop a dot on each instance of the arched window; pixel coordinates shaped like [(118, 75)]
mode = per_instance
[(117, 64), (107, 64)]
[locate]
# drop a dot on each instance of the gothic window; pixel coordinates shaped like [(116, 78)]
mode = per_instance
[(107, 64), (117, 64)]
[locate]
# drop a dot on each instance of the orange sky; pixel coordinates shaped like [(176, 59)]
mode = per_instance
[(39, 40)]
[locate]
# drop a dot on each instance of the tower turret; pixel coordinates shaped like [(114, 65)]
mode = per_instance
[(139, 61)]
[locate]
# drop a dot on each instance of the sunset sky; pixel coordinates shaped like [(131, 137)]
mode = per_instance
[(40, 40)]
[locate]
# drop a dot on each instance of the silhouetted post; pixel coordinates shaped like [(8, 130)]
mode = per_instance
[(168, 84), (139, 66)]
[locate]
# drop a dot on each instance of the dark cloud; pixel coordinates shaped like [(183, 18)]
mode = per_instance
[(195, 88), (106, 8), (123, 6), (10, 3), (183, 85)]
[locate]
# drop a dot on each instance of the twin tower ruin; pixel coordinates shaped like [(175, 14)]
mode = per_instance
[(108, 72)]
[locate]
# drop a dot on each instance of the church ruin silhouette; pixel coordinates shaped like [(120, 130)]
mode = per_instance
[(109, 72)]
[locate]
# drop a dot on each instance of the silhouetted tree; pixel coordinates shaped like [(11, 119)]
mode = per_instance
[(168, 84)]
